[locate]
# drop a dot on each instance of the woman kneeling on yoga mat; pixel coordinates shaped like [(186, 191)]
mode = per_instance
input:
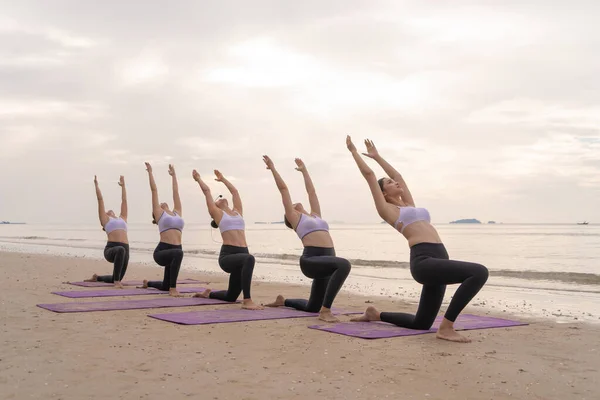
[(318, 261), (429, 261), (234, 257), (168, 253), (117, 246)]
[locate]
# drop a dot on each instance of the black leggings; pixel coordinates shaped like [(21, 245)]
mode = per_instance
[(168, 256), (239, 264), (430, 266), (117, 253), (328, 273)]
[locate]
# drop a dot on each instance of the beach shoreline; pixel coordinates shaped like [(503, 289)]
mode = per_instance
[(556, 301), (125, 354)]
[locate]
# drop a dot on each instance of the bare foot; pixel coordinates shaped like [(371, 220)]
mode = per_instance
[(371, 314), (119, 285), (174, 293), (144, 285), (204, 295), (94, 278), (327, 316), (248, 304), (446, 332), (279, 302)]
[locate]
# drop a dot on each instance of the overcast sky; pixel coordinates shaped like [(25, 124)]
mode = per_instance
[(490, 110)]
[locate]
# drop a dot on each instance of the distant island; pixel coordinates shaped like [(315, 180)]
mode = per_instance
[(491, 222), (466, 221), (11, 223)]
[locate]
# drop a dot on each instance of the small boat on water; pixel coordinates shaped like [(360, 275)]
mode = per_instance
[(583, 223)]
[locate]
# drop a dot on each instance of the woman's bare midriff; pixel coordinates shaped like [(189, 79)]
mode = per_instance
[(172, 236), (318, 239), (421, 232), (118, 236), (234, 238)]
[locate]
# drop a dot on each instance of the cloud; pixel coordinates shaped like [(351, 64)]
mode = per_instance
[(10, 108), (16, 140), (320, 88), (538, 114), (477, 27), (58, 36), (262, 62), (488, 110), (145, 69), (37, 46), (560, 155)]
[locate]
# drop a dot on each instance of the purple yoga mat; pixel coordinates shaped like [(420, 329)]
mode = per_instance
[(131, 283), (378, 330), (130, 304), (82, 294), (237, 315)]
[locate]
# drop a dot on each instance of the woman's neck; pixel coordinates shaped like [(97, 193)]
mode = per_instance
[(397, 201)]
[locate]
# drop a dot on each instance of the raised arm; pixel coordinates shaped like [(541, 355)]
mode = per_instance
[(291, 214), (123, 198), (156, 210), (391, 171), (315, 207), (237, 200), (176, 199), (213, 210), (385, 210), (101, 211)]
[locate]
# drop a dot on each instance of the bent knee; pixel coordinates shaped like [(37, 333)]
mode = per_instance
[(313, 309), (344, 265), (178, 254), (422, 326), (482, 273), (231, 298), (250, 259)]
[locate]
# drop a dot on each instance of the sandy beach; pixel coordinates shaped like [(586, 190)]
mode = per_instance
[(125, 354)]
